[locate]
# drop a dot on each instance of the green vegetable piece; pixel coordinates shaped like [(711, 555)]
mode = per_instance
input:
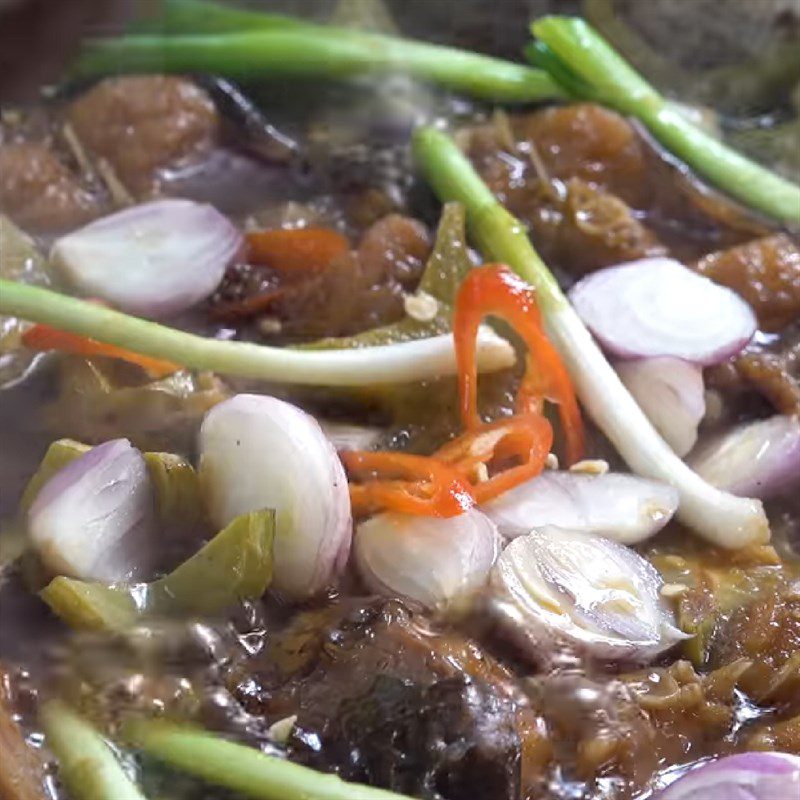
[(603, 76), (85, 605), (87, 765), (19, 261), (449, 262), (239, 43), (235, 565), (696, 649), (240, 768), (58, 455), (245, 359), (99, 399), (177, 489), (447, 265), (199, 16), (498, 234), (19, 258)]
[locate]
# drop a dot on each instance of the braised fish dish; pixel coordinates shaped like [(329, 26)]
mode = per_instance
[(398, 404)]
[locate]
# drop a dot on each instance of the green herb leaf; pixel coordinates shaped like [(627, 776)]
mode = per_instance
[(235, 565)]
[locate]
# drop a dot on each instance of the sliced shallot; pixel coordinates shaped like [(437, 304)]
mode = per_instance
[(154, 260), (93, 519), (625, 508), (658, 307), (744, 776), (756, 459), (670, 391), (259, 452), (595, 595), (430, 560)]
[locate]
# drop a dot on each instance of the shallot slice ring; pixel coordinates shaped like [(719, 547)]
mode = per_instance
[(659, 307)]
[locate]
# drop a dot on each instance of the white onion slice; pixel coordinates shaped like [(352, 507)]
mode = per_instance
[(745, 776), (658, 307), (260, 452), (671, 393), (625, 508), (600, 597), (93, 519), (756, 459), (429, 560), (155, 259)]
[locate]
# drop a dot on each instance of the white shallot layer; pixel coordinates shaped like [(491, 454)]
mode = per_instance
[(671, 393), (154, 259), (625, 508), (658, 307), (429, 560), (595, 595), (260, 452), (94, 519), (756, 459)]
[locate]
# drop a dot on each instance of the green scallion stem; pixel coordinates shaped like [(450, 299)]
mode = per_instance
[(497, 233), (720, 517), (87, 765), (393, 363), (611, 80), (202, 16), (243, 769), (309, 51)]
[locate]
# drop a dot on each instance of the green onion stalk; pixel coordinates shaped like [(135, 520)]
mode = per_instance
[(203, 16), (246, 44), (242, 769), (87, 764), (588, 68), (382, 364), (720, 517)]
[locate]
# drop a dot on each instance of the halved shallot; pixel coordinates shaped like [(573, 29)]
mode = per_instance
[(154, 260), (625, 508), (598, 597), (744, 776), (670, 391), (431, 560), (94, 518), (659, 307), (756, 459), (260, 452)]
